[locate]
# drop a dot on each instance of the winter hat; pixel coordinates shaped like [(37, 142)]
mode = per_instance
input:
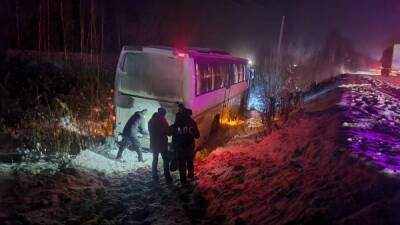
[(162, 111)]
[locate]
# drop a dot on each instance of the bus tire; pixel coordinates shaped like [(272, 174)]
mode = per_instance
[(215, 123), (243, 103)]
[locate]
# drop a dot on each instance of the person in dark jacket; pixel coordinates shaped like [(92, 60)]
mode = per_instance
[(184, 133), (158, 129), (130, 138)]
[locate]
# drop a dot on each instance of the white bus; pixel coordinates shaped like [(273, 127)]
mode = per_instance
[(208, 82)]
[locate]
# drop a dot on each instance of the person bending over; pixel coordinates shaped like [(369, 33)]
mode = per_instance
[(130, 138)]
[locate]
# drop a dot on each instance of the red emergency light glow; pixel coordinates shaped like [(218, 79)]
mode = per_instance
[(181, 54)]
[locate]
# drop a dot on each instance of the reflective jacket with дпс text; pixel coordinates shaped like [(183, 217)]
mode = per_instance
[(184, 131)]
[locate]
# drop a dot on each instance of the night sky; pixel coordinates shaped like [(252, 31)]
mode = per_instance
[(370, 24), (239, 26)]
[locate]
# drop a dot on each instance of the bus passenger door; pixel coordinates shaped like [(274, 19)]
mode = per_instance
[(227, 87)]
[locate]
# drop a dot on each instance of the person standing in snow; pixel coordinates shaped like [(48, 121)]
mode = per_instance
[(130, 138), (158, 130), (173, 153), (184, 133)]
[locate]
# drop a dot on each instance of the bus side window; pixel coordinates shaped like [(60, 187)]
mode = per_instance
[(198, 79), (211, 76), (219, 75), (207, 79), (240, 73), (233, 75), (204, 77), (229, 75)]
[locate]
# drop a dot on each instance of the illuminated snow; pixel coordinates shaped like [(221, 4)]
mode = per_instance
[(91, 160), (372, 124), (256, 99), (354, 85), (100, 159)]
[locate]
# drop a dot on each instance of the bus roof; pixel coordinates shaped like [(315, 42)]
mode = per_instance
[(215, 55), (192, 52)]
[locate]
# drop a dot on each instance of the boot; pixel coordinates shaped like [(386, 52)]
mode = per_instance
[(191, 176), (119, 155), (140, 157), (156, 178), (182, 177), (168, 178)]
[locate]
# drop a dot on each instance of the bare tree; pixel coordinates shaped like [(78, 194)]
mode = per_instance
[(63, 29), (82, 27), (93, 38), (17, 23), (102, 37), (268, 83), (40, 26), (48, 27)]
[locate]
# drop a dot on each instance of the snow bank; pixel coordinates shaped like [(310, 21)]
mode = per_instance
[(87, 194), (29, 168), (373, 110), (300, 174), (100, 159), (88, 159)]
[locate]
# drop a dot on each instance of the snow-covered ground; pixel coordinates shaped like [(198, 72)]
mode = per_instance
[(302, 173), (95, 190), (373, 120), (322, 166), (98, 158), (102, 158)]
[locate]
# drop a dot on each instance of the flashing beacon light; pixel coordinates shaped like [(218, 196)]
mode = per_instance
[(181, 54), (250, 62)]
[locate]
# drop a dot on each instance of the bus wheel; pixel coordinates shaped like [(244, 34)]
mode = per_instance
[(215, 124)]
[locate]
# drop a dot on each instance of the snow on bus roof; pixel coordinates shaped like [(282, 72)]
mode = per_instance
[(207, 50), (215, 55), (191, 51)]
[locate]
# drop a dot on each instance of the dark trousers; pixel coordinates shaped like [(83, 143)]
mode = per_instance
[(185, 162), (132, 145), (164, 156)]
